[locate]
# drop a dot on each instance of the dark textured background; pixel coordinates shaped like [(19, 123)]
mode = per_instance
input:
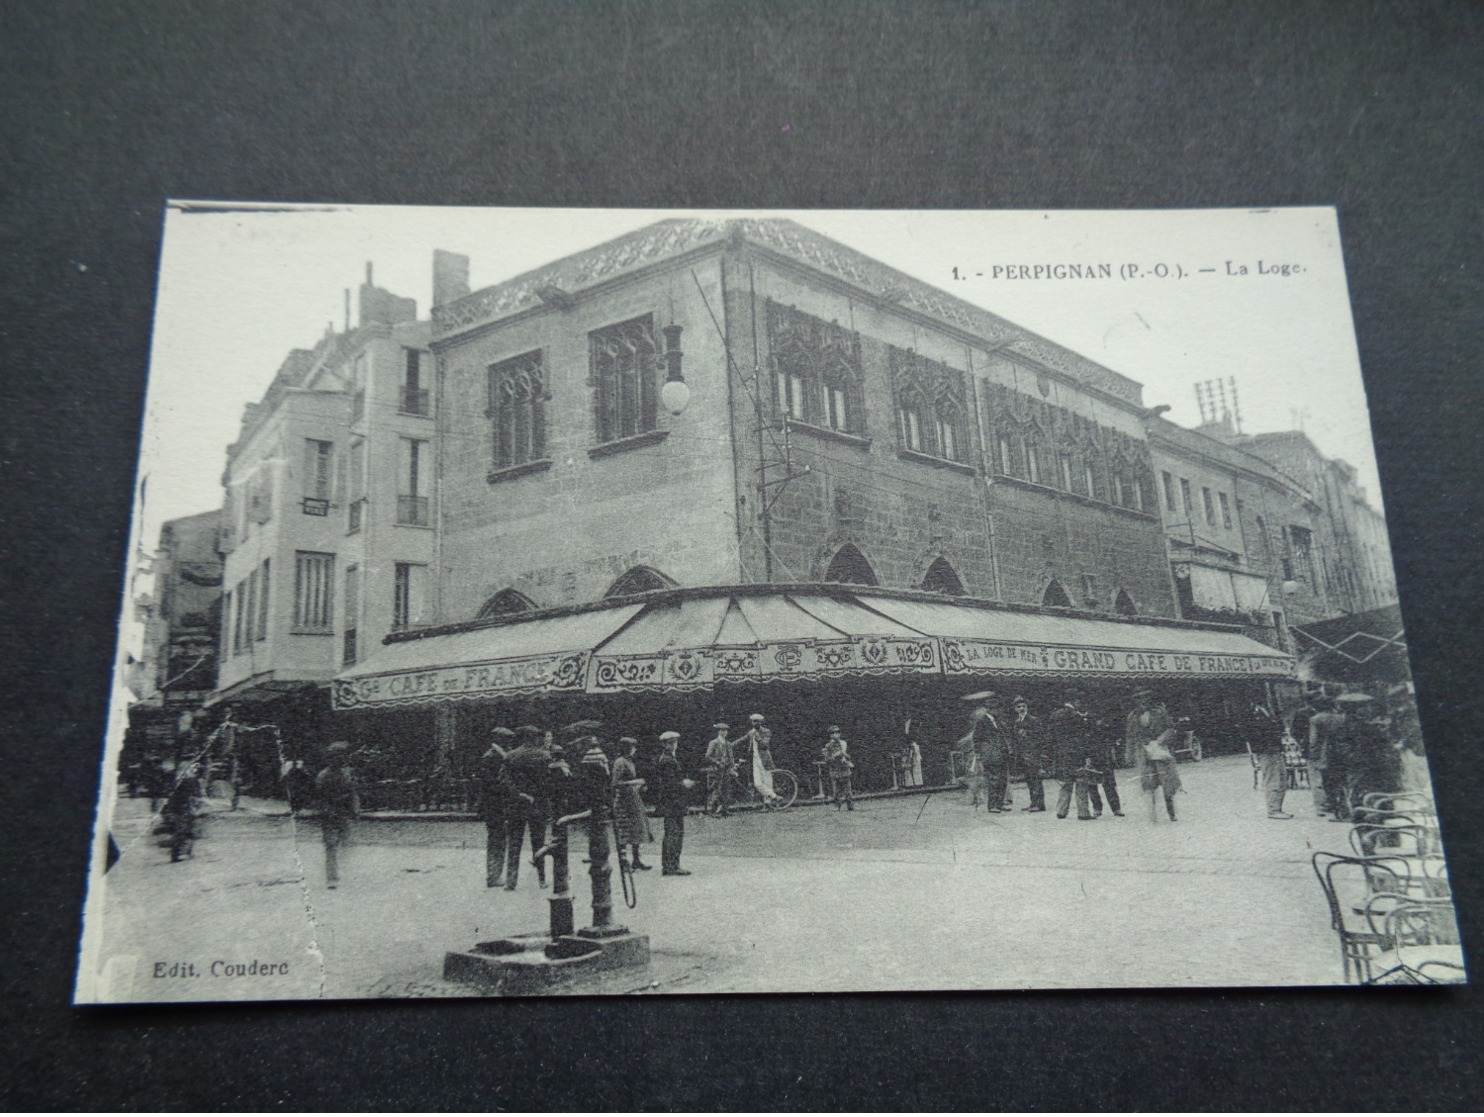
[(108, 108)]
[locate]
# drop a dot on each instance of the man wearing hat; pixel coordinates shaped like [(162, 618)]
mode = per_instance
[(837, 755), (1073, 736), (721, 766), (670, 787), (992, 743), (1149, 735), (1030, 746), (1326, 761), (492, 805), (335, 791), (527, 779)]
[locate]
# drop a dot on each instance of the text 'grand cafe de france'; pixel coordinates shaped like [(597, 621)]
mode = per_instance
[(714, 468)]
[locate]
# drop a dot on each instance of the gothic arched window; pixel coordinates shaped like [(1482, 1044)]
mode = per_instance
[(1124, 604), (850, 566), (517, 398), (506, 603), (817, 372), (623, 363), (932, 405), (942, 578), (1056, 596), (639, 579)]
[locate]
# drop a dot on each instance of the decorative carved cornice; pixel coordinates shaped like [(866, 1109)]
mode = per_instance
[(877, 281)]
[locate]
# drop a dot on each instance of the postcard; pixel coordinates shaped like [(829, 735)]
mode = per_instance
[(540, 602)]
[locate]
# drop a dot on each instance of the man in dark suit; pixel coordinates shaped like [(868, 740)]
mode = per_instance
[(1030, 746), (527, 777), (492, 806), (992, 744), (670, 800), (1072, 736), (339, 803)]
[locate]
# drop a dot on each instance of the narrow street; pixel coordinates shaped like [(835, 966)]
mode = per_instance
[(899, 894)]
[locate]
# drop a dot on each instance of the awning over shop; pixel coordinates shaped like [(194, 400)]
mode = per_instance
[(988, 641), (540, 656), (694, 644), (1356, 647), (686, 640)]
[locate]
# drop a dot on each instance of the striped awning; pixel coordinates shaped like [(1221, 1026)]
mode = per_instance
[(689, 640)]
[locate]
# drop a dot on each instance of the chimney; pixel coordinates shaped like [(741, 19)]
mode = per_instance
[(450, 276), (381, 306)]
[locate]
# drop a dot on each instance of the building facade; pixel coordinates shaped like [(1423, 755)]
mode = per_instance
[(328, 523)]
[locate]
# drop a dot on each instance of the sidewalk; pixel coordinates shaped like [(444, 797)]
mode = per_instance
[(901, 893)]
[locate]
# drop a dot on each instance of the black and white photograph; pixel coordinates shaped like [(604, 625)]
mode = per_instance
[(547, 602)]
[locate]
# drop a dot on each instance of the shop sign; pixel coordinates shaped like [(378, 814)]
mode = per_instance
[(560, 672), (972, 657)]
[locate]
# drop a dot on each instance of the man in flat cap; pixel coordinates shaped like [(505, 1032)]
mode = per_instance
[(493, 802), (670, 787), (527, 778), (721, 766), (837, 753), (339, 803)]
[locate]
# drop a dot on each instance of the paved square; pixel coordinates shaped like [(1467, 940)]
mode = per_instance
[(897, 895)]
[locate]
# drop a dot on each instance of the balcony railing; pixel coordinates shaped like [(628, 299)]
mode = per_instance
[(412, 510), (415, 401)]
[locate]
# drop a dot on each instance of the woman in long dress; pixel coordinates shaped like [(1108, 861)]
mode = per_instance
[(629, 821)]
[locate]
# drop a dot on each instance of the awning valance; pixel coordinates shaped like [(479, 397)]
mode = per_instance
[(979, 641), (692, 640), (541, 656)]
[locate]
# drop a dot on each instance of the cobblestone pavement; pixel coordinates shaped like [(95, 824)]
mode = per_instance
[(899, 894)]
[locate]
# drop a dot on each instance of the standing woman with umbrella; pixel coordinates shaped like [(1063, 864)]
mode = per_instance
[(630, 826)]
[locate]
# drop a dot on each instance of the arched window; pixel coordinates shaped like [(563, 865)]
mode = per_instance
[(1056, 596), (942, 578), (1123, 604), (517, 399), (817, 372), (624, 361), (506, 603), (639, 579), (932, 404), (850, 566)]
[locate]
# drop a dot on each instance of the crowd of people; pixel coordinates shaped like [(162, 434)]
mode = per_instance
[(529, 779)]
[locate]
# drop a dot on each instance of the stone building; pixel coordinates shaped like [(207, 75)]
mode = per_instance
[(718, 466), (327, 527)]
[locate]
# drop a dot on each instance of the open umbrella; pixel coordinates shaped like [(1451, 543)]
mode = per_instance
[(1354, 697)]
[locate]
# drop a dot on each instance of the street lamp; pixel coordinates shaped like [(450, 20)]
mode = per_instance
[(675, 394)]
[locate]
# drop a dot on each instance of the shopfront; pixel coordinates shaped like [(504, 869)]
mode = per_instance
[(887, 666)]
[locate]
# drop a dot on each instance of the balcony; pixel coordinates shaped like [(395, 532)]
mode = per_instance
[(412, 511), (416, 401)]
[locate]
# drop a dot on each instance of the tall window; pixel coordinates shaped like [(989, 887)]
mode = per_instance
[(356, 498), (1033, 463), (623, 364), (932, 405), (1007, 460), (1226, 511), (319, 463), (241, 596), (414, 395), (262, 633), (1209, 506), (412, 501), (250, 611), (1169, 484), (407, 594), (517, 408), (1262, 540), (352, 612), (817, 371), (1303, 553), (314, 594), (1185, 501), (1065, 462)]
